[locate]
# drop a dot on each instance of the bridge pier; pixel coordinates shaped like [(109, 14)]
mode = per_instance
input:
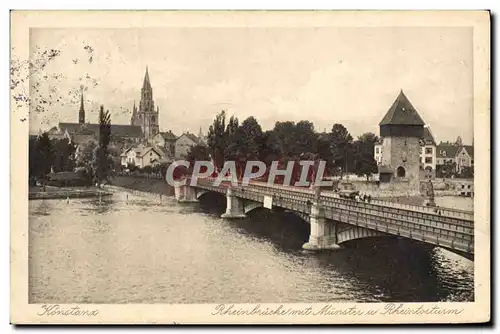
[(185, 194), (235, 207), (323, 233)]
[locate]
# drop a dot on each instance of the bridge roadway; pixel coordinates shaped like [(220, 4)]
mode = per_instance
[(444, 227)]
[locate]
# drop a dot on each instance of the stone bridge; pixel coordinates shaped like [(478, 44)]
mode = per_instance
[(335, 220)]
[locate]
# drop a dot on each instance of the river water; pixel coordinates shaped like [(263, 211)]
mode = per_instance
[(131, 249)]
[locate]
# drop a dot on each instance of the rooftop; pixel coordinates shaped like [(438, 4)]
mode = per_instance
[(402, 112)]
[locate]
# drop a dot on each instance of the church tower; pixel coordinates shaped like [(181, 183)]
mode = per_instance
[(81, 113), (134, 119), (401, 130), (146, 116)]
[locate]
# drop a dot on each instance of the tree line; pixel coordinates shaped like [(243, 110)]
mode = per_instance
[(230, 140)]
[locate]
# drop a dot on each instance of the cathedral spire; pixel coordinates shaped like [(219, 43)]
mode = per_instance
[(146, 83), (81, 113)]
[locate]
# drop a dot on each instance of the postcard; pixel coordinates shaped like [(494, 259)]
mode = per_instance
[(250, 167)]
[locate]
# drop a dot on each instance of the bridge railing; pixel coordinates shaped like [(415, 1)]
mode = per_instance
[(428, 209), (455, 213), (440, 211)]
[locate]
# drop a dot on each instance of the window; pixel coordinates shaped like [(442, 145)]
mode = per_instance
[(377, 150), (443, 153), (428, 160), (428, 150), (472, 161), (400, 172)]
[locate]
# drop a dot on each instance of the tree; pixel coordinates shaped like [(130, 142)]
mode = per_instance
[(114, 153), (131, 167), (35, 85), (64, 155), (232, 137), (43, 157), (84, 153), (325, 153), (217, 138), (102, 162), (248, 139), (305, 139), (467, 172), (341, 146), (447, 170), (364, 161), (198, 153), (270, 148), (284, 134)]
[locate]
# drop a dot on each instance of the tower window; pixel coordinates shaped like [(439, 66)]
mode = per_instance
[(400, 172)]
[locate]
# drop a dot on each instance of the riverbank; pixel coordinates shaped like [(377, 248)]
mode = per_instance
[(142, 184), (35, 193)]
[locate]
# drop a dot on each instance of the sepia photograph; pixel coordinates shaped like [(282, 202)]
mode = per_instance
[(250, 167)]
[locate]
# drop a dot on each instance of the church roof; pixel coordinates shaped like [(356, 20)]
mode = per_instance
[(117, 130), (402, 112)]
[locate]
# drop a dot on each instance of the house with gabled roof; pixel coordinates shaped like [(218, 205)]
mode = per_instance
[(142, 156), (184, 143), (166, 140), (461, 155)]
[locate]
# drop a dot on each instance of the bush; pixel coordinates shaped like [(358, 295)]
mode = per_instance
[(68, 179)]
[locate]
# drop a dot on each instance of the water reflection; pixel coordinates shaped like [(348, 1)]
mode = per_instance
[(146, 249)]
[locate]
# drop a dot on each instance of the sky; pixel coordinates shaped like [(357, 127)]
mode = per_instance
[(325, 75)]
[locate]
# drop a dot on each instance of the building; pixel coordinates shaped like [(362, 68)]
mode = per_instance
[(461, 155), (142, 156), (184, 143), (401, 130), (146, 116), (80, 132), (166, 140), (428, 154)]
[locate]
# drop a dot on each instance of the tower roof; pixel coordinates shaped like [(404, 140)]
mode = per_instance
[(146, 80), (402, 112)]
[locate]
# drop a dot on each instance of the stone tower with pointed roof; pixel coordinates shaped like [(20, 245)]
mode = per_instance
[(146, 116), (81, 113), (401, 130)]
